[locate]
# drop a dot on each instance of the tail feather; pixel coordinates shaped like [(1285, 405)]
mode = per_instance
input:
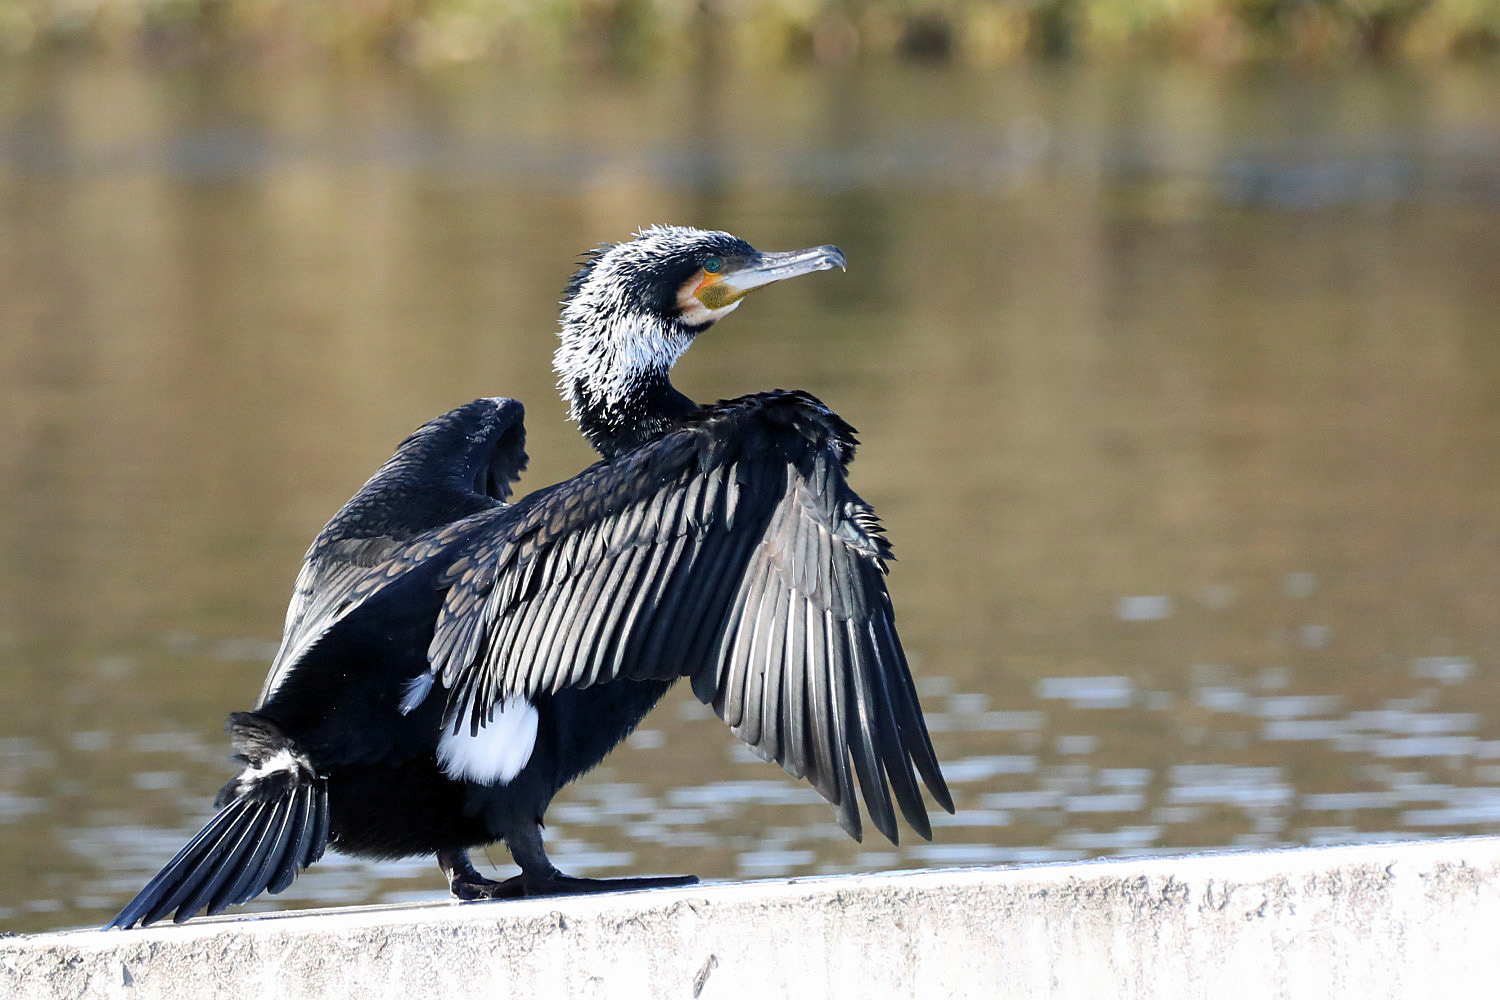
[(211, 887), (248, 879), (307, 845), (319, 838), (145, 907), (279, 854), (273, 824)]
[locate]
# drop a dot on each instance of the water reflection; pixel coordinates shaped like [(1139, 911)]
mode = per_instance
[(1179, 392)]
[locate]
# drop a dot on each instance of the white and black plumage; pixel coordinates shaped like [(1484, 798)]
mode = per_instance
[(452, 660)]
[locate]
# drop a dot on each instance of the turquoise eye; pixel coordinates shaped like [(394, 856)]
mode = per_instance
[(713, 265)]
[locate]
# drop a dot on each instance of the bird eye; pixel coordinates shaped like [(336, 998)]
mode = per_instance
[(713, 265)]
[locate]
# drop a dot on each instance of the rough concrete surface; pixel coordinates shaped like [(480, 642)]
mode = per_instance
[(1391, 920)]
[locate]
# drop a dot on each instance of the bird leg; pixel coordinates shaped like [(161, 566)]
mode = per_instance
[(538, 877)]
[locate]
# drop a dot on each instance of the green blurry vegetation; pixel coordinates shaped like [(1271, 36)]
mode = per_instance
[(981, 32)]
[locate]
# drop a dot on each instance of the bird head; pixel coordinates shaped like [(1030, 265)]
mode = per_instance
[(634, 307)]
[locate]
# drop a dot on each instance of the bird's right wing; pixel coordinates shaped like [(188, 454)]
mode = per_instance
[(451, 467), (731, 551)]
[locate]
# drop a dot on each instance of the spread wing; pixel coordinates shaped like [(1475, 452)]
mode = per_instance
[(731, 551), (453, 466)]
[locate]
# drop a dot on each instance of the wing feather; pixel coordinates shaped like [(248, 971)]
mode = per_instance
[(731, 551), (758, 623), (862, 725), (908, 713), (897, 761), (547, 668), (612, 609), (794, 650), (593, 587), (654, 600), (722, 601), (735, 647), (799, 761), (770, 670), (661, 649), (565, 630), (820, 769), (454, 466)]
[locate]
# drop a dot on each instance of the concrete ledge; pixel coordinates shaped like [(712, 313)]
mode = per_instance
[(1391, 920)]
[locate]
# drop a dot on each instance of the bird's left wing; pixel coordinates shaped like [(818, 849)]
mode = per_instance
[(451, 467), (731, 551)]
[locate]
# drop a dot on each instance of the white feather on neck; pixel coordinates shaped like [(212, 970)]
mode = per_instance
[(605, 356)]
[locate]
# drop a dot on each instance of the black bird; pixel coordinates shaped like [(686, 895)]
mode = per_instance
[(452, 660)]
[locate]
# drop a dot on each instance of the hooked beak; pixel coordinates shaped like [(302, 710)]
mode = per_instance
[(750, 273)]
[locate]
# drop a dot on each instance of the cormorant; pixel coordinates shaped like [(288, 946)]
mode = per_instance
[(451, 660)]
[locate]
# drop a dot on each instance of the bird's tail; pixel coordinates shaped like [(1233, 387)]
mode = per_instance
[(272, 822)]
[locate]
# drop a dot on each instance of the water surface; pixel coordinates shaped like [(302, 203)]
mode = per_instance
[(1179, 388)]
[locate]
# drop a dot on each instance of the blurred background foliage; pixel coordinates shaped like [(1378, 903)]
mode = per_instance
[(637, 32)]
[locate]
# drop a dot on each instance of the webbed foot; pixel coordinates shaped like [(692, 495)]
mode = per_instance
[(466, 883), (475, 886), (558, 884)]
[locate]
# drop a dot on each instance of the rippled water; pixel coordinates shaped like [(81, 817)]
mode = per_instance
[(1180, 393)]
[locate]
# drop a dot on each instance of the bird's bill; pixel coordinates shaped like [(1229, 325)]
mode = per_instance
[(747, 274)]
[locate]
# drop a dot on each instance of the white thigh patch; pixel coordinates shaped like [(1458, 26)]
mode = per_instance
[(500, 749)]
